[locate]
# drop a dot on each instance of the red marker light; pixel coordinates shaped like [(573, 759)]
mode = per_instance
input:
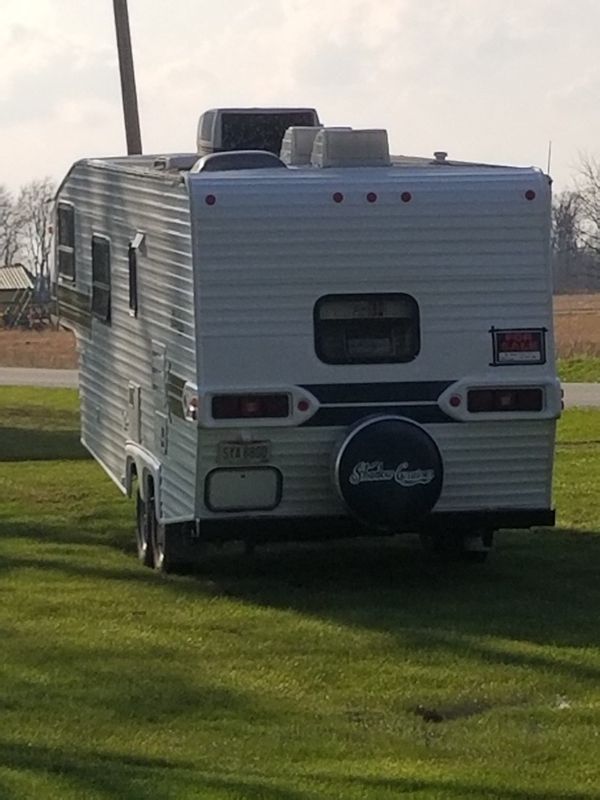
[(303, 405), (530, 194), (210, 199), (406, 197), (338, 197), (371, 197), (455, 400)]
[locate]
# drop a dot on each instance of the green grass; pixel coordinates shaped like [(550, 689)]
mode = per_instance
[(579, 370), (39, 424), (310, 672)]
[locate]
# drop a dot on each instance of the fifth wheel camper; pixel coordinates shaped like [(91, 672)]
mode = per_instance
[(291, 333)]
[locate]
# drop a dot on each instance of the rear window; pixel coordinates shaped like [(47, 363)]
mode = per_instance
[(367, 328)]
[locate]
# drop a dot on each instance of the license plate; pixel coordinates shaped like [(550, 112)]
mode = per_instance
[(244, 452)]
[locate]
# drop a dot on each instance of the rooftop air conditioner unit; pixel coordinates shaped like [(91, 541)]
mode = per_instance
[(224, 129), (335, 147)]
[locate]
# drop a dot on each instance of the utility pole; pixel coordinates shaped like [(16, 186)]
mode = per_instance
[(128, 90)]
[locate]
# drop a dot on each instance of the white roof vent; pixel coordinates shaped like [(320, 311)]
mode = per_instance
[(335, 147), (297, 145), (298, 142)]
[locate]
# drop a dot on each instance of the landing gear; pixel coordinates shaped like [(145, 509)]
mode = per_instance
[(451, 545)]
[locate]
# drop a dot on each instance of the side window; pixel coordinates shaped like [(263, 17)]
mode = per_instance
[(66, 241), (367, 328), (101, 278)]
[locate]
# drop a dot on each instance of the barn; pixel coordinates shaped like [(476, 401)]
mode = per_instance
[(16, 293)]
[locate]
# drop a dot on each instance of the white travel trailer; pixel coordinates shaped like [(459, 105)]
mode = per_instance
[(326, 343)]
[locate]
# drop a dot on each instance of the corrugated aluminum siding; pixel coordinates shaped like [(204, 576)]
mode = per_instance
[(469, 247), (118, 203)]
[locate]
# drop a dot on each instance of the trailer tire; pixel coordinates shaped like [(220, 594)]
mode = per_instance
[(143, 530), (167, 543), (389, 472), (165, 552)]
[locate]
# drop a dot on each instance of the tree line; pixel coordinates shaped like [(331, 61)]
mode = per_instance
[(576, 232), (26, 225)]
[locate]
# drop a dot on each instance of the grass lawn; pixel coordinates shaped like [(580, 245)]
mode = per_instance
[(579, 370), (358, 670)]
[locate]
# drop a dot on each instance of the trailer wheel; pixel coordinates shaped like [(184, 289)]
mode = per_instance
[(166, 543), (165, 539), (143, 530)]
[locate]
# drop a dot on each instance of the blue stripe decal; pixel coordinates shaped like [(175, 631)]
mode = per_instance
[(340, 416), (405, 392)]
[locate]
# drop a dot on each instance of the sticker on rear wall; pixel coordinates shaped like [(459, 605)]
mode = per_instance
[(518, 346)]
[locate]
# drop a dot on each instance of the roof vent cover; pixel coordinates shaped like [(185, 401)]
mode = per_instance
[(297, 145), (334, 147)]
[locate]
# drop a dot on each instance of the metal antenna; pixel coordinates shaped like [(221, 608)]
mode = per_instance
[(549, 156), (128, 90)]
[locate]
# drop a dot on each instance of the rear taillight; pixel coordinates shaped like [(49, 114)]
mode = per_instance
[(250, 406), (486, 400)]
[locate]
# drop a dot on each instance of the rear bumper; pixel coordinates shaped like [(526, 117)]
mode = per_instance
[(321, 527)]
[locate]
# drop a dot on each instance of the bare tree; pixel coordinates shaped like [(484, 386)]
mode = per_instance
[(567, 253), (566, 223), (9, 227), (34, 209), (588, 189)]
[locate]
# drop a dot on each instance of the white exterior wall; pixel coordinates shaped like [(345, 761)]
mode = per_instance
[(119, 203), (468, 247)]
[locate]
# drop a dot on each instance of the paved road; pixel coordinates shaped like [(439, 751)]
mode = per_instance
[(582, 394), (576, 394), (17, 376)]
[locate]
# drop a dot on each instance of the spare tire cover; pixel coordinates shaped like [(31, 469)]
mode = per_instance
[(389, 472)]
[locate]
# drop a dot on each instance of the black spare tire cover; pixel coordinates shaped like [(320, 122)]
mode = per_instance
[(389, 472)]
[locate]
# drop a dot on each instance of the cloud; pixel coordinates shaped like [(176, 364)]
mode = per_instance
[(485, 81)]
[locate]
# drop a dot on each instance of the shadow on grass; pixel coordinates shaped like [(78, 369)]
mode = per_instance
[(541, 588), (120, 536), (120, 776), (33, 444), (455, 789), (123, 776)]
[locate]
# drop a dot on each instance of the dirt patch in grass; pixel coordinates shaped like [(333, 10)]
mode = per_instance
[(49, 349)]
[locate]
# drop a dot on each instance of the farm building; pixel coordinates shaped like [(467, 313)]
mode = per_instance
[(16, 293)]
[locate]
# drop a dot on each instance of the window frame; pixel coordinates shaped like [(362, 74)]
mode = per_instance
[(100, 286), (69, 248), (415, 319)]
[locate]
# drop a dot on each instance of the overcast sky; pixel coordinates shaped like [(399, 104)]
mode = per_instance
[(490, 80)]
